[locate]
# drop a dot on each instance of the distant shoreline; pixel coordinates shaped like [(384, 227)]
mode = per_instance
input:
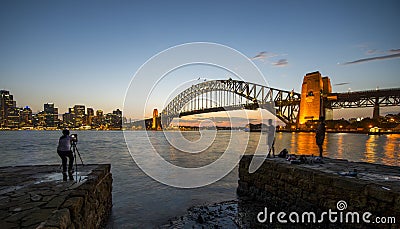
[(341, 131), (60, 130), (284, 131)]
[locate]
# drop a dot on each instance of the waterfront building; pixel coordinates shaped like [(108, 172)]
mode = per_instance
[(109, 121), (40, 119), (118, 112), (90, 116), (99, 113), (26, 117), (114, 120), (35, 120), (68, 119), (50, 113), (80, 116), (98, 120), (7, 110), (13, 118), (118, 119)]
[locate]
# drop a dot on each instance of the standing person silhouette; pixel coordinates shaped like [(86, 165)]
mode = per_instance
[(64, 151), (320, 134), (271, 138)]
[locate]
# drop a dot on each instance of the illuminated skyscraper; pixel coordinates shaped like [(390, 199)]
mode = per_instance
[(90, 116), (26, 117), (13, 117), (118, 112), (9, 114), (99, 113), (79, 111), (98, 120), (69, 118), (90, 111), (115, 119), (51, 115)]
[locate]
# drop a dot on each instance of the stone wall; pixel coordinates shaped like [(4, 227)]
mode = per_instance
[(88, 206), (282, 186), (37, 197)]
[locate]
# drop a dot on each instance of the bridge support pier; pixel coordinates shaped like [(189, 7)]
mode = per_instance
[(375, 115)]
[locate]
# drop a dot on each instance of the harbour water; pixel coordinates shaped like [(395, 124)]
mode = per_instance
[(139, 201)]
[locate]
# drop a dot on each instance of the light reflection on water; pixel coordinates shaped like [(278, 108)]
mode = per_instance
[(139, 201), (381, 149)]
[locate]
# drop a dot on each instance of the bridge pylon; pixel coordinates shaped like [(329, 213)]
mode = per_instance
[(375, 115), (313, 102), (156, 122)]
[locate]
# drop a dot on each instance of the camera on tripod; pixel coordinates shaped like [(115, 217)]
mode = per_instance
[(74, 138), (74, 148)]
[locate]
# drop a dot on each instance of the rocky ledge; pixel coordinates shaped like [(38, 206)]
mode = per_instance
[(38, 197)]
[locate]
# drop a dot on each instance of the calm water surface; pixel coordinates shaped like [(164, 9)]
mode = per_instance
[(139, 201)]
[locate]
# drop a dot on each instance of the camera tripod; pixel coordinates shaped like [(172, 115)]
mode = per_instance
[(74, 151)]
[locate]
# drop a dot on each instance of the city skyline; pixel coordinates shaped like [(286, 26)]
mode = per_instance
[(87, 52), (14, 117), (54, 103), (43, 108)]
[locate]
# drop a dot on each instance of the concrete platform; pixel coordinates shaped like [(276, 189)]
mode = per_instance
[(37, 196)]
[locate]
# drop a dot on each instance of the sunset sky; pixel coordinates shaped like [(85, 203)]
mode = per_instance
[(86, 52)]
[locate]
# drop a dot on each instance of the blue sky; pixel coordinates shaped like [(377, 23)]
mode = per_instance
[(86, 52)]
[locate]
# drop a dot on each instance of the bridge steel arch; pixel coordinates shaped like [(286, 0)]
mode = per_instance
[(216, 92), (370, 98)]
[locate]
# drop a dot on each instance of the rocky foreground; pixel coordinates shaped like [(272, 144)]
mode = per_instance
[(221, 215)]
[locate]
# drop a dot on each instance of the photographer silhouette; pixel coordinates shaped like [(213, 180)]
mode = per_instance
[(64, 151)]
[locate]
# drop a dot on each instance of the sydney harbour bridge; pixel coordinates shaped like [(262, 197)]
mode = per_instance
[(316, 99)]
